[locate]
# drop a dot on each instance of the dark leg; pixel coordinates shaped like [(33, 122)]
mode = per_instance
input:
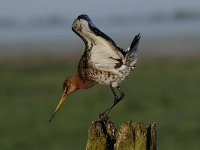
[(122, 93), (103, 115)]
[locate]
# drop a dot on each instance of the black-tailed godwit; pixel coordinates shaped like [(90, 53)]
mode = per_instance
[(102, 62)]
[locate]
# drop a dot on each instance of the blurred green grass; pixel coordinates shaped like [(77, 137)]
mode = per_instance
[(164, 90)]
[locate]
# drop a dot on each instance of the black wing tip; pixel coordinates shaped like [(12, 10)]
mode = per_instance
[(135, 40), (83, 16), (138, 36)]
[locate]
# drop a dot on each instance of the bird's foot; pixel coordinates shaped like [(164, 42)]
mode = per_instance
[(103, 117)]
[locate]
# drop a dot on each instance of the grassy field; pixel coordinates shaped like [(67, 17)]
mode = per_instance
[(164, 90)]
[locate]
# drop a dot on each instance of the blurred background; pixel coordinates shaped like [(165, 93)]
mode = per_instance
[(38, 50)]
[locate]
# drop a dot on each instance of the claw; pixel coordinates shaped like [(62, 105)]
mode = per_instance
[(103, 117)]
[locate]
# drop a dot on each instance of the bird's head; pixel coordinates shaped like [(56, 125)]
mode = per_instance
[(69, 86)]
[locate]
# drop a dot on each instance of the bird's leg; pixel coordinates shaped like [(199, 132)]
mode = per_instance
[(122, 93), (103, 116)]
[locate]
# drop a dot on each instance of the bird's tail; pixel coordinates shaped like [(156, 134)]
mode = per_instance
[(132, 51)]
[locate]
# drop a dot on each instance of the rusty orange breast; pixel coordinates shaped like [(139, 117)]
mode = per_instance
[(80, 83)]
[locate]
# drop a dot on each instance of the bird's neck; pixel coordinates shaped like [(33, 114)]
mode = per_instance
[(80, 83)]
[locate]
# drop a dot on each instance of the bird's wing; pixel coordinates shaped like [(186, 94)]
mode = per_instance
[(104, 55), (132, 51), (101, 51)]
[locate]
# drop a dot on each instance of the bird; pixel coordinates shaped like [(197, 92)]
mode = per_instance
[(102, 62)]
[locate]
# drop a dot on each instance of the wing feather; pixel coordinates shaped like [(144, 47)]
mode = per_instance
[(103, 55), (101, 51)]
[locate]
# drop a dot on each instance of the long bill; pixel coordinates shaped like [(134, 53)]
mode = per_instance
[(64, 95)]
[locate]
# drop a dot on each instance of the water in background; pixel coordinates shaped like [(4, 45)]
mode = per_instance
[(57, 27), (148, 20)]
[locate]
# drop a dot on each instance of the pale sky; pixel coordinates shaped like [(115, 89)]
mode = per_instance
[(34, 8)]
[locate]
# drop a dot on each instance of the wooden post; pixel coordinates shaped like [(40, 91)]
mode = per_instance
[(129, 136)]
